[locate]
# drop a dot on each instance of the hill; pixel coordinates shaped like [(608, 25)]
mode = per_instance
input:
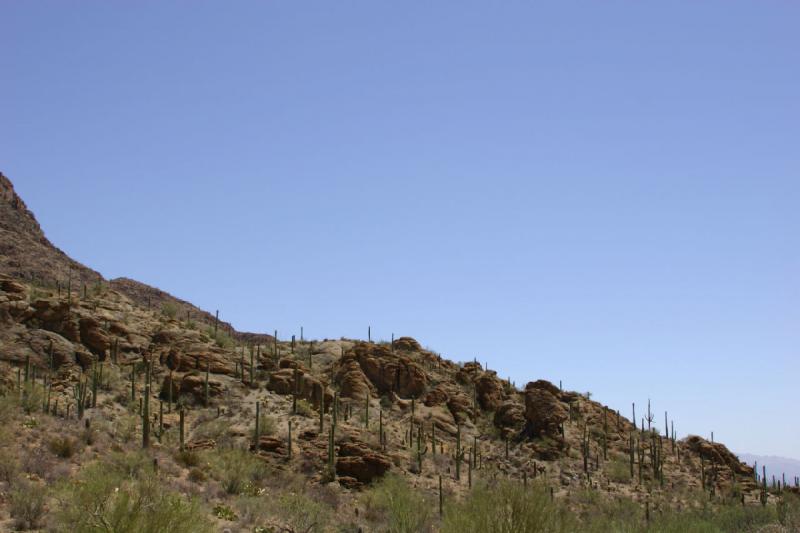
[(119, 409)]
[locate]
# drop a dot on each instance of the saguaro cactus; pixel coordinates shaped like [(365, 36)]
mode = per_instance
[(205, 384), (79, 392), (459, 453), (258, 426), (181, 424)]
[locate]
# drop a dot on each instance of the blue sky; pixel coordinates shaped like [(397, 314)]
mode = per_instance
[(604, 193)]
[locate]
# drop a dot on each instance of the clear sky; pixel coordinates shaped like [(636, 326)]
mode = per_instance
[(604, 193)]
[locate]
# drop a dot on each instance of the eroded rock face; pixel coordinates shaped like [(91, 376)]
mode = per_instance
[(176, 388), (309, 388), (353, 383), (490, 391), (56, 317), (193, 384), (93, 337), (510, 417), (14, 290), (719, 454), (469, 372), (270, 445), (46, 342), (452, 397), (387, 371), (407, 344), (544, 412), (358, 461)]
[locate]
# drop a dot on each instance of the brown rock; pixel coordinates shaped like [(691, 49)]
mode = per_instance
[(407, 344), (56, 317), (176, 388), (388, 372), (46, 342), (352, 381), (510, 416), (94, 338), (468, 372), (544, 412), (719, 454), (308, 387), (13, 289), (271, 445), (173, 359), (193, 383), (357, 460), (490, 391)]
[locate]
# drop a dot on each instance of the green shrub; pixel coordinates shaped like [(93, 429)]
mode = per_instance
[(394, 502), (63, 447), (187, 458), (224, 512), (169, 309), (619, 470), (237, 470), (9, 465), (301, 513), (104, 498), (27, 505), (506, 508), (304, 408), (197, 476), (267, 425)]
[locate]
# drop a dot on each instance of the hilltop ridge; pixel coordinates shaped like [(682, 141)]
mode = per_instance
[(109, 368)]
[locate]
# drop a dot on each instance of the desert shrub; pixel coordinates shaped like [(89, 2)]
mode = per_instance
[(197, 476), (104, 498), (267, 425), (187, 458), (301, 513), (216, 429), (63, 447), (169, 309), (9, 465), (8, 407), (27, 505), (112, 379), (619, 470), (224, 512), (304, 408), (125, 427), (221, 339), (239, 471), (403, 510), (504, 508), (31, 399)]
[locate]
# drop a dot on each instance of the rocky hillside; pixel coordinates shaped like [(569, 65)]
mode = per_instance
[(27, 254), (258, 434)]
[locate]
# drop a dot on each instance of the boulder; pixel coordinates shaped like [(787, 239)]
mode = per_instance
[(356, 460), (407, 344), (56, 316), (490, 391), (719, 454), (309, 388), (387, 371), (193, 384), (510, 416), (270, 444), (93, 337), (544, 412), (45, 342), (352, 381)]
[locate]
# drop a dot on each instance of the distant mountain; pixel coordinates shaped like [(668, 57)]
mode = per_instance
[(777, 466)]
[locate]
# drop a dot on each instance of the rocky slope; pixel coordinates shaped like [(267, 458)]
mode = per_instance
[(394, 407)]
